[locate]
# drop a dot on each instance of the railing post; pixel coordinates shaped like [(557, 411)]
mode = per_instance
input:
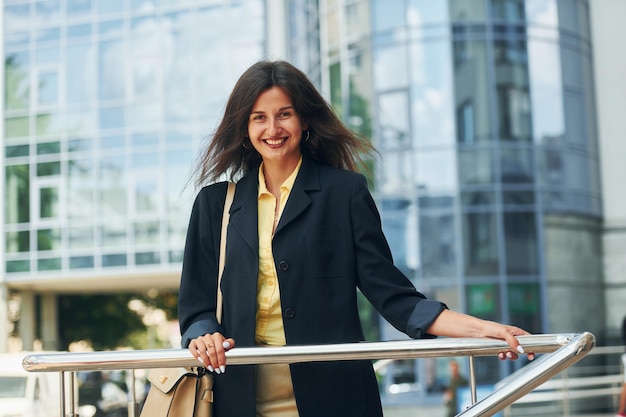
[(62, 393), (72, 399), (472, 373), (133, 407)]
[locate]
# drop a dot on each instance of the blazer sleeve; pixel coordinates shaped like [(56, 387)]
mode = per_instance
[(385, 286), (197, 296)]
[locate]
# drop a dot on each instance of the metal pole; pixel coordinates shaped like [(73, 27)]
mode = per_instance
[(132, 405), (62, 389), (473, 380), (72, 399)]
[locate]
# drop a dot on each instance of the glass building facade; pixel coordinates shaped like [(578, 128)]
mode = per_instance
[(483, 112), (106, 104)]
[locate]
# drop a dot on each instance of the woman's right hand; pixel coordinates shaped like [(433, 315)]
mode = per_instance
[(210, 350)]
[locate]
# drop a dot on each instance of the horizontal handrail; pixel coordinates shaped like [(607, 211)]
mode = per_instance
[(564, 349), (165, 358)]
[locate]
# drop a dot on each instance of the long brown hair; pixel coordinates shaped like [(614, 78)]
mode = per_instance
[(330, 142)]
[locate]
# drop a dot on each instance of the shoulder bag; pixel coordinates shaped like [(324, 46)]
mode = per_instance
[(188, 392)]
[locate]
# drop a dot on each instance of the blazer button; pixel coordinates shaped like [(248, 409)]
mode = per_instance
[(289, 313), (283, 266)]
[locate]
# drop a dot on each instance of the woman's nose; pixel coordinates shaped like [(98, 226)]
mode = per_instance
[(274, 127)]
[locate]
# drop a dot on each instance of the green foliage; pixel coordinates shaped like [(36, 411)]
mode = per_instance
[(107, 322)]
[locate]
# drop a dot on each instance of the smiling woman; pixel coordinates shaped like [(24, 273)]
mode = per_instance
[(304, 234)]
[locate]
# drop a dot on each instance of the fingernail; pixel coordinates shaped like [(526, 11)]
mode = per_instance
[(200, 360), (223, 368), (217, 371), (226, 344), (520, 349), (531, 356), (509, 355), (210, 368)]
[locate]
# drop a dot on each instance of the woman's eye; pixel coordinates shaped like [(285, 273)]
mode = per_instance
[(284, 115)]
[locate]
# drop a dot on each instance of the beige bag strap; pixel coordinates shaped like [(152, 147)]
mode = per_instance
[(230, 194)]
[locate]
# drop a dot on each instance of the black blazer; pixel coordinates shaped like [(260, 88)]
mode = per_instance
[(328, 243)]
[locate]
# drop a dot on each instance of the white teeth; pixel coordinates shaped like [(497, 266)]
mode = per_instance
[(274, 141)]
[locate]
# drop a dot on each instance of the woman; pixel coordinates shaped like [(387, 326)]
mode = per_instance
[(304, 234)]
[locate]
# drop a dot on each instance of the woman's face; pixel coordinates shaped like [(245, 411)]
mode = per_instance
[(274, 127)]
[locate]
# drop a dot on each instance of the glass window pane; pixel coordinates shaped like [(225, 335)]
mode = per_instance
[(432, 98), (79, 7), (390, 67), (45, 169), (478, 198), (49, 123), (17, 194), (436, 170), (17, 80), (113, 235), (525, 306), (576, 118), (394, 120), (518, 198), (546, 91), (110, 6), (480, 244), (468, 9), (400, 226), (113, 260), (112, 117), (48, 202), (79, 262), (47, 11), (388, 14), (48, 56), (17, 266), (520, 235), (510, 10), (112, 182), (147, 258), (16, 151), (112, 73), (396, 172), (483, 300), (17, 241), (516, 166), (81, 183), (146, 233), (48, 148), (79, 145), (80, 69), (471, 91), (77, 31), (49, 264), (476, 166), (48, 239), (437, 245), (80, 237), (420, 12), (146, 194), (112, 142), (15, 127)]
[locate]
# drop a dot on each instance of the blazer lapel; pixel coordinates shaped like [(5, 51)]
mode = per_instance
[(299, 199), (244, 213)]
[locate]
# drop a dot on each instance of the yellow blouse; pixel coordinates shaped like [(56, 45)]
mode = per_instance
[(269, 320)]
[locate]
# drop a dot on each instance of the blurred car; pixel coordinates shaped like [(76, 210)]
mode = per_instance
[(27, 394)]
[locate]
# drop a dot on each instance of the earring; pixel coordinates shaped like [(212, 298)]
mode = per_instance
[(308, 134)]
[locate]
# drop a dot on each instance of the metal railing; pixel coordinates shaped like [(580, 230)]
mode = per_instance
[(561, 351)]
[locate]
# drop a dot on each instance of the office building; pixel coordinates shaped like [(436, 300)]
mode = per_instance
[(497, 123)]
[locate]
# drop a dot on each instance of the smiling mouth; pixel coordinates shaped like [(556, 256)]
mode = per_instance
[(275, 142)]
